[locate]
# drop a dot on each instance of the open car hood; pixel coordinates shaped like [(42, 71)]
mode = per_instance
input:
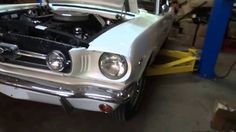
[(115, 4)]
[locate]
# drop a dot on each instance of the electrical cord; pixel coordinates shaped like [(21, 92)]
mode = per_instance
[(227, 73)]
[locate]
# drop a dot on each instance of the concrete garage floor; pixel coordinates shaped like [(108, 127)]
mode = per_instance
[(175, 103)]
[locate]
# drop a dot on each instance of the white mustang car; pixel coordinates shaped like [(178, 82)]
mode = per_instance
[(81, 54)]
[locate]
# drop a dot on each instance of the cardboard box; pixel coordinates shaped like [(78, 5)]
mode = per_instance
[(224, 118)]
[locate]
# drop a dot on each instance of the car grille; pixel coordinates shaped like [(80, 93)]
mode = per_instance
[(30, 59), (32, 51)]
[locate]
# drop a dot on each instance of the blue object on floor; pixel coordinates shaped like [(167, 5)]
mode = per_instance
[(217, 25)]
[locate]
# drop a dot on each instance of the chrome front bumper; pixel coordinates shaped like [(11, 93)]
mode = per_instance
[(74, 94)]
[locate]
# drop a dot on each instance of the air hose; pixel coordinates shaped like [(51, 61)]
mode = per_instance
[(227, 73)]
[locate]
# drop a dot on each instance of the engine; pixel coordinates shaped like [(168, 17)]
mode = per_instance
[(67, 27), (36, 33)]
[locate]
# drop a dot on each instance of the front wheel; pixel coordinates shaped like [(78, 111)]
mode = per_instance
[(130, 108)]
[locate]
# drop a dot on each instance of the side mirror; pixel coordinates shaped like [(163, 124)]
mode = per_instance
[(164, 8)]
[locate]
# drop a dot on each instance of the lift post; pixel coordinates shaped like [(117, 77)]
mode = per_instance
[(217, 26)]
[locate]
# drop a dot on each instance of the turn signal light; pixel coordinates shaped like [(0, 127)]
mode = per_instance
[(105, 108)]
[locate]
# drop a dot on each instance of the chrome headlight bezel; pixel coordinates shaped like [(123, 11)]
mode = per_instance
[(120, 60), (60, 57)]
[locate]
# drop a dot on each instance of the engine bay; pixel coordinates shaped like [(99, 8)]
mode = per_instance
[(64, 27), (29, 36)]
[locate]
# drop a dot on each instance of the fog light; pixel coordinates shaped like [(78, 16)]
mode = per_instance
[(105, 108)]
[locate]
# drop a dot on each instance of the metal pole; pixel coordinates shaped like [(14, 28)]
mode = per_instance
[(217, 26), (158, 3)]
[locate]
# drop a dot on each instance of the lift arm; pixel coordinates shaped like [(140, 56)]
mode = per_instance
[(184, 62)]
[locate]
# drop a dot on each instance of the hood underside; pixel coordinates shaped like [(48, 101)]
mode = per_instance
[(116, 4)]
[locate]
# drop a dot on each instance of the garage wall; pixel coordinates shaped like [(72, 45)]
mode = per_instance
[(194, 3), (185, 36)]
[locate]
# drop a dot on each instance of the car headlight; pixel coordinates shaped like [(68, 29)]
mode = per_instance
[(56, 61), (113, 66)]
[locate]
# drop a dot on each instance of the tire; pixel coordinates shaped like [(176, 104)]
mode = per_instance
[(129, 109)]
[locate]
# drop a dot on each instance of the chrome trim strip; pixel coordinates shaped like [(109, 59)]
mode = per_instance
[(32, 54), (19, 83), (90, 92)]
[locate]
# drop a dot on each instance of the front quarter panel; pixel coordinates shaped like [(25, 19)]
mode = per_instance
[(135, 39), (147, 45)]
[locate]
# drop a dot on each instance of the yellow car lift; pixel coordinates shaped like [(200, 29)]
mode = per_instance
[(185, 61)]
